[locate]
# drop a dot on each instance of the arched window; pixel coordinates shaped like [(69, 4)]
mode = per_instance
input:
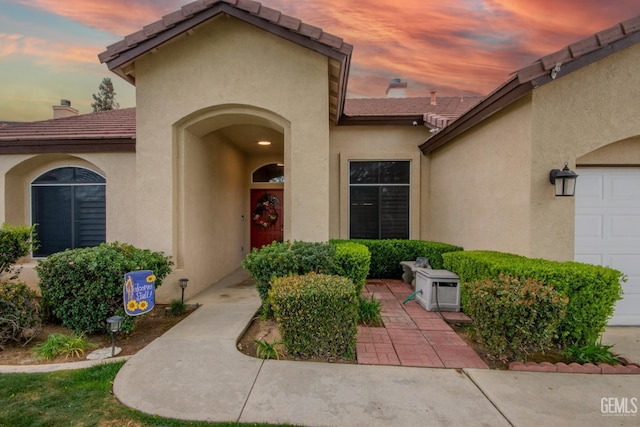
[(273, 172), (69, 210)]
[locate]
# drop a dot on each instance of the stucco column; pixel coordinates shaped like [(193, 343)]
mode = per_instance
[(307, 181)]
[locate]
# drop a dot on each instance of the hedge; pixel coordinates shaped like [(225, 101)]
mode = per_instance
[(83, 287), (280, 259), (20, 317), (317, 314), (352, 260), (386, 255), (514, 317), (592, 290)]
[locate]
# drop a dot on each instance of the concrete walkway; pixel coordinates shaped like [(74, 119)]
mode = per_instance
[(194, 372)]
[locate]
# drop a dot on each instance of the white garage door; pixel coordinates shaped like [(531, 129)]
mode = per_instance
[(608, 230)]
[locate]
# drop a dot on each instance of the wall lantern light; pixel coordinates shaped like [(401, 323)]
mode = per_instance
[(114, 325), (564, 181), (183, 284)]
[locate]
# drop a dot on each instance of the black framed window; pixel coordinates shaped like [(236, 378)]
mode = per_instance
[(68, 207), (379, 195), (273, 172)]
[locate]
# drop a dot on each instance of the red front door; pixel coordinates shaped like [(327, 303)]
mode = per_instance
[(266, 217)]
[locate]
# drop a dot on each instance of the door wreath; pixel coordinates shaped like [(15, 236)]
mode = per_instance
[(265, 215)]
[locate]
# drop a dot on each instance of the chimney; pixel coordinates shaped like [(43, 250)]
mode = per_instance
[(64, 110), (397, 89), (433, 97)]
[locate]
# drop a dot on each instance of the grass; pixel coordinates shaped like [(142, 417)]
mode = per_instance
[(595, 352), (370, 312), (75, 398), (62, 345), (267, 350)]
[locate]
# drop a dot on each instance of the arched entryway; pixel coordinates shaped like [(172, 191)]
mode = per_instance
[(217, 151)]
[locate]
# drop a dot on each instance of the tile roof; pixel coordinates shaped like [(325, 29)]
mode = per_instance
[(113, 130), (545, 70), (120, 57), (198, 8), (446, 108), (574, 51)]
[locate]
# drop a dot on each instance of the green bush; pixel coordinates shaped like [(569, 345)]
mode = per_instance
[(386, 255), (317, 314), (177, 307), (15, 243), (512, 317), (83, 287), (592, 290), (20, 318), (313, 257), (280, 259), (352, 260)]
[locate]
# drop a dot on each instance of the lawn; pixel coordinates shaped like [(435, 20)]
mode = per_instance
[(74, 398)]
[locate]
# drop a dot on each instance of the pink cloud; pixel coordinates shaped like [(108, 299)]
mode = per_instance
[(9, 43), (47, 52), (455, 46), (119, 17)]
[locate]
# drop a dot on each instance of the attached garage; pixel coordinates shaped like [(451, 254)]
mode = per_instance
[(608, 229)]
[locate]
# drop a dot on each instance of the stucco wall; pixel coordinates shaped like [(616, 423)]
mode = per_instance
[(573, 116), (228, 65), (117, 168), (213, 203), (479, 183), (625, 153), (490, 187), (373, 143)]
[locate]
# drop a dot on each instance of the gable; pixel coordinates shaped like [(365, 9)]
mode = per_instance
[(121, 57)]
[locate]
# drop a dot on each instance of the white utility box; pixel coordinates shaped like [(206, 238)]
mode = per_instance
[(441, 284)]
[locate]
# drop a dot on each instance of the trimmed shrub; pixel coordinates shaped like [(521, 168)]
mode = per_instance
[(20, 318), (317, 314), (386, 255), (83, 287), (352, 260), (15, 243), (592, 290), (313, 257), (280, 259), (512, 317)]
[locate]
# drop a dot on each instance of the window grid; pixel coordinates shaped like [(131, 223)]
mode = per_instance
[(379, 209)]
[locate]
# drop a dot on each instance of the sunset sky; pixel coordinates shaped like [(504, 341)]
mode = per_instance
[(49, 48)]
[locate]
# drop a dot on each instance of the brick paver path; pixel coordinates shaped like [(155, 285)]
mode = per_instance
[(411, 336)]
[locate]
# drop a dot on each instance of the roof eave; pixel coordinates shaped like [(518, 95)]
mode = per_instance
[(497, 100), (63, 145), (395, 120), (121, 63), (519, 85)]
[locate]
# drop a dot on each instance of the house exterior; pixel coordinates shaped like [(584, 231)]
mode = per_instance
[(184, 172)]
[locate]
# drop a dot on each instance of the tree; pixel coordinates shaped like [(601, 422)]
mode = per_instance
[(105, 99)]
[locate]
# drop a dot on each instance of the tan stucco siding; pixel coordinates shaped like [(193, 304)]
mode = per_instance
[(373, 143), (117, 168), (573, 116), (224, 70), (625, 153), (480, 185), (212, 204)]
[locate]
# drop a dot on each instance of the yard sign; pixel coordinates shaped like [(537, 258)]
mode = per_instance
[(139, 292)]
